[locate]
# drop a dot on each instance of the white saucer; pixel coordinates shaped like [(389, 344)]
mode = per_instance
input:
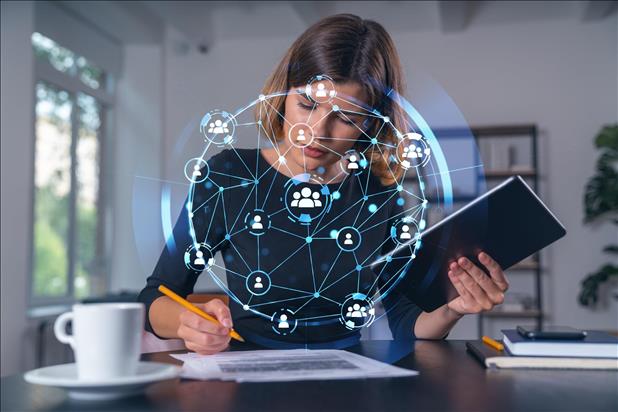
[(65, 376)]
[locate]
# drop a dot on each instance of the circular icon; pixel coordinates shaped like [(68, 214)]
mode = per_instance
[(258, 282), (197, 170), (300, 135), (218, 127), (306, 198), (199, 257), (284, 321), (353, 162), (357, 311), (257, 221), (321, 89), (348, 239), (405, 230), (413, 151)]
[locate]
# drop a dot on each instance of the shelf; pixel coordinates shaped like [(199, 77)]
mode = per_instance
[(524, 130), (492, 174), (503, 314)]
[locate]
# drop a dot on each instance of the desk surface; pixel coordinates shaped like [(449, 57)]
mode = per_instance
[(449, 380)]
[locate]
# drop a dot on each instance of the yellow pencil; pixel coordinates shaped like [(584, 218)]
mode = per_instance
[(493, 343), (188, 305)]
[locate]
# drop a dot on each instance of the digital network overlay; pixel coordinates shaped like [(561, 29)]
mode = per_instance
[(307, 202)]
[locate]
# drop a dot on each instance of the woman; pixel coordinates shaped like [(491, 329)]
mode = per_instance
[(308, 136)]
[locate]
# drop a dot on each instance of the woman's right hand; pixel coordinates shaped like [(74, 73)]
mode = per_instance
[(203, 336)]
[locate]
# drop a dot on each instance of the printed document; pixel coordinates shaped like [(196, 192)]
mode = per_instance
[(286, 365)]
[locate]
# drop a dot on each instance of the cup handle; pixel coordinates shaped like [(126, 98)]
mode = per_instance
[(60, 328)]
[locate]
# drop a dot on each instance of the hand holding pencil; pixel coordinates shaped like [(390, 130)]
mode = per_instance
[(205, 328)]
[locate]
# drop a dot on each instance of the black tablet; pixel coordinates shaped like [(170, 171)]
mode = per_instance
[(509, 222)]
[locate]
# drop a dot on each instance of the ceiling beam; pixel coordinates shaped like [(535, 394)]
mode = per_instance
[(598, 9), (126, 22), (312, 11), (456, 15), (190, 18)]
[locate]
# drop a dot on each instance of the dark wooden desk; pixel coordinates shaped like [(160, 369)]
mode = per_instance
[(449, 380)]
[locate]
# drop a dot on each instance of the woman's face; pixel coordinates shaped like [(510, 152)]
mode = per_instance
[(316, 136)]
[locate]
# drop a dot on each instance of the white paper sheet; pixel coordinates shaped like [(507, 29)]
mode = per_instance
[(286, 365)]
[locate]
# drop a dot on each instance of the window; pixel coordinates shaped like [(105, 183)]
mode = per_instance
[(68, 241)]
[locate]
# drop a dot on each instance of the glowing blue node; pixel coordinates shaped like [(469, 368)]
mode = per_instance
[(359, 268), (401, 201), (308, 239), (372, 208), (333, 233), (316, 295), (399, 188), (227, 236), (336, 195), (365, 198), (221, 188), (374, 140)]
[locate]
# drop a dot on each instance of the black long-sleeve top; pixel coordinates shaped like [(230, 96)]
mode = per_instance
[(315, 281)]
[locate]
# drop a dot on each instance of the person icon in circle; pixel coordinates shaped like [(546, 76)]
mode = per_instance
[(405, 233), (258, 283), (301, 136), (321, 92), (283, 322), (196, 170), (352, 165), (348, 239), (199, 258), (257, 223)]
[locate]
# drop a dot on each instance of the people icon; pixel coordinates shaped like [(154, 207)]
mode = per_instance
[(405, 233), (196, 171), (283, 322), (306, 199), (301, 136), (258, 283), (257, 223), (348, 239), (353, 165), (355, 311), (321, 92), (218, 127), (199, 258)]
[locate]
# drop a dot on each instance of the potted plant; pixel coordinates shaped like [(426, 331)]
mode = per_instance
[(601, 203)]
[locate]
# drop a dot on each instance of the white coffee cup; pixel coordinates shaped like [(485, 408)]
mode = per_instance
[(106, 338)]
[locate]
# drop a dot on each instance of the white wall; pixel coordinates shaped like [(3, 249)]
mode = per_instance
[(17, 128), (137, 149), (543, 66)]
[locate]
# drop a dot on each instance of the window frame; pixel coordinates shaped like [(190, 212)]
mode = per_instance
[(44, 72)]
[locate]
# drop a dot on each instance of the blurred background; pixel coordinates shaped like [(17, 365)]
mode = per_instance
[(101, 99)]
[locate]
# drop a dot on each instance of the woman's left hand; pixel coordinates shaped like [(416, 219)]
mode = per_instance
[(477, 291)]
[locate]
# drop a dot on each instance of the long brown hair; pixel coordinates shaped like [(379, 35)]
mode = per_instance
[(345, 48)]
